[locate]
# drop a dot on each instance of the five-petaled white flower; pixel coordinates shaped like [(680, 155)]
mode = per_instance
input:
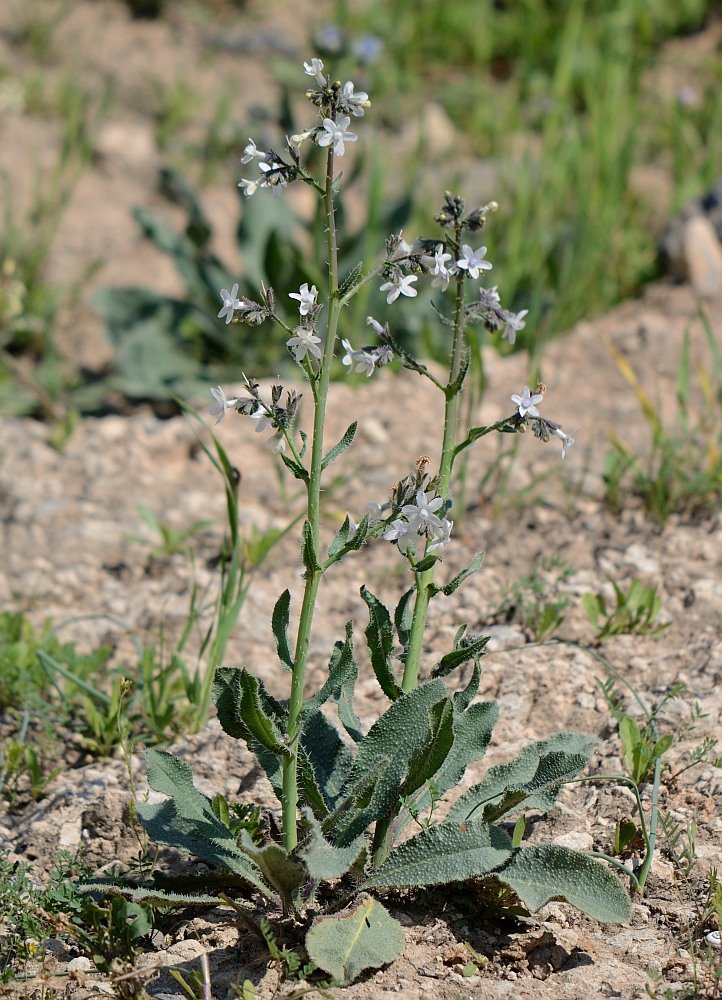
[(357, 101), (473, 261), (252, 150), (400, 286), (567, 440), (249, 187), (442, 535), (442, 273), (400, 531), (315, 69), (363, 361), (527, 402), (230, 302), (514, 323), (336, 133), (304, 342), (221, 403), (422, 515), (306, 298)]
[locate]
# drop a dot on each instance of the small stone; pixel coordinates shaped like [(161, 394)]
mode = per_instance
[(703, 255), (80, 964), (576, 840)]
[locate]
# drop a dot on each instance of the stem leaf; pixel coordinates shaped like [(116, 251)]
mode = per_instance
[(279, 624), (380, 639), (338, 449)]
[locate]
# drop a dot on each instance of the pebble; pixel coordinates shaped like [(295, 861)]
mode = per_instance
[(80, 964), (703, 255), (576, 840)]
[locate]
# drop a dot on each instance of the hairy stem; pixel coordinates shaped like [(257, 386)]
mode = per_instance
[(313, 575), (424, 579)]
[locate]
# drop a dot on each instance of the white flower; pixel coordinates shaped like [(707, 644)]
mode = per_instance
[(399, 531), (230, 302), (363, 361), (277, 443), (249, 187), (357, 101), (527, 403), (303, 343), (441, 536), (336, 133), (273, 176), (473, 261), (250, 151), (300, 137), (514, 323), (263, 420), (315, 69), (440, 259), (567, 440), (422, 514), (375, 325), (221, 404), (400, 286), (306, 298)]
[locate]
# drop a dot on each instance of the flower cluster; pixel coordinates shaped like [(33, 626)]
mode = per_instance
[(542, 428), (272, 414), (337, 104), (420, 519)]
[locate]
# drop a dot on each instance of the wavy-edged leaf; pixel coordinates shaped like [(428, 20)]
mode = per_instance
[(538, 772), (341, 446), (447, 852), (186, 820), (323, 861), (329, 756), (380, 639), (385, 755), (279, 625), (543, 872)]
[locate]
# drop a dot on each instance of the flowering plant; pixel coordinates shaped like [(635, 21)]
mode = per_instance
[(346, 802)]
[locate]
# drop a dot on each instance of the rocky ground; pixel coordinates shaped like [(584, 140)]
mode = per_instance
[(65, 555)]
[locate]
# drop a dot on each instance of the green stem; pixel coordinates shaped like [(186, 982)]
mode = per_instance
[(289, 802), (424, 580)]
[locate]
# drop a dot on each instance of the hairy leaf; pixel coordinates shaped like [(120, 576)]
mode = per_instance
[(279, 625), (538, 771), (447, 852), (547, 871), (340, 448), (363, 937), (323, 861), (380, 639)]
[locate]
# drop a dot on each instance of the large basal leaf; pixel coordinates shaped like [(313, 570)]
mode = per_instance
[(448, 852), (547, 871), (187, 820), (424, 764), (281, 871), (330, 758), (385, 754), (473, 729), (539, 771), (323, 861), (363, 937)]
